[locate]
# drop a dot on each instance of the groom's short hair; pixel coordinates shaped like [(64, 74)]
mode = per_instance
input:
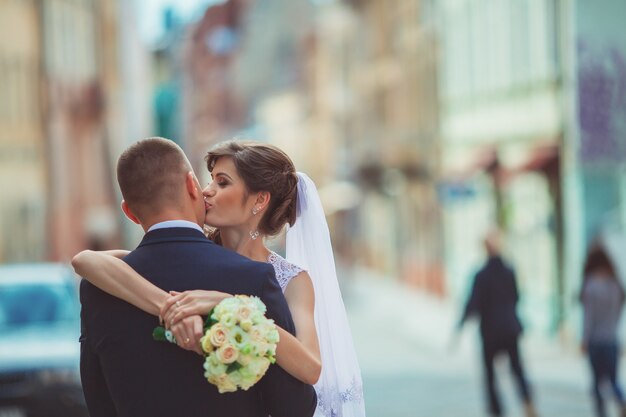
[(151, 175)]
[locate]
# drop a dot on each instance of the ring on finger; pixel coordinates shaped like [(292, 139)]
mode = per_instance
[(177, 303)]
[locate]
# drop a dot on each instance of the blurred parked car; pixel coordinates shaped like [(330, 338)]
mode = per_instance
[(39, 349)]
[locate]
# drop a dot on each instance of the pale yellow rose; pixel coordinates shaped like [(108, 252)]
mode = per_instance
[(206, 344), (255, 334), (246, 324), (244, 313), (227, 354), (244, 359), (218, 335), (225, 384)]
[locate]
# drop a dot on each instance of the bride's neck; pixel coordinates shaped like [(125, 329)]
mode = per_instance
[(242, 243)]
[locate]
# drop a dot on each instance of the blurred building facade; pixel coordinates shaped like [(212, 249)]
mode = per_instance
[(596, 178), (349, 91), (424, 123), (601, 107), (22, 134), (532, 105), (242, 75), (62, 126), (452, 117), (211, 109), (81, 197), (388, 121)]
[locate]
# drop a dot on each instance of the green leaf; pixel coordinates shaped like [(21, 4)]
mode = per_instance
[(208, 322), (158, 334), (235, 366)]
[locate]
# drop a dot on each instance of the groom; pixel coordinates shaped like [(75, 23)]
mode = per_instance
[(127, 374)]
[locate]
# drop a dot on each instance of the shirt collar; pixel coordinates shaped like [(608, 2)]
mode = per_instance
[(175, 223)]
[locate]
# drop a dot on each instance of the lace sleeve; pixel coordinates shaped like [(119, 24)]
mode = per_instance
[(285, 271)]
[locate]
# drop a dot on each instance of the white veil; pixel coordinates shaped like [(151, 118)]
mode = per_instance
[(339, 389)]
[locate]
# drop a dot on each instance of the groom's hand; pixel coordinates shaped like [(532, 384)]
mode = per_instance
[(188, 333)]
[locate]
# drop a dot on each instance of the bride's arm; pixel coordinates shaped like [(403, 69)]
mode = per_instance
[(108, 272), (117, 253), (300, 355)]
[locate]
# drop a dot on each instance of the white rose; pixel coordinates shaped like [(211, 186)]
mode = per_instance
[(238, 338), (228, 320), (213, 366), (259, 366)]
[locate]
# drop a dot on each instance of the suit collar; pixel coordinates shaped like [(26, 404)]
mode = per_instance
[(174, 223), (173, 234)]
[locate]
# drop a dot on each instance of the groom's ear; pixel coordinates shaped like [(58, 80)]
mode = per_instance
[(193, 186), (127, 211)]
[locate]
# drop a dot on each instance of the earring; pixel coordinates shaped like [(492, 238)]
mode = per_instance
[(254, 234), (255, 210)]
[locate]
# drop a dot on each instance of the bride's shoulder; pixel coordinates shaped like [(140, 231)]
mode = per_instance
[(285, 270)]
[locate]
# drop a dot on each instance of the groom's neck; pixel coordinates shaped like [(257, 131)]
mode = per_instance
[(165, 215)]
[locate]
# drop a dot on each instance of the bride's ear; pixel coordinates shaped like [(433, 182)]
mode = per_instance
[(127, 211), (262, 200), (193, 186)]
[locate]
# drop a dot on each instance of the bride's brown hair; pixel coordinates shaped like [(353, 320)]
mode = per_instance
[(262, 167)]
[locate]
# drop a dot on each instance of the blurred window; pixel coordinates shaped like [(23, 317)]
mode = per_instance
[(70, 38), (32, 305), (520, 43), (554, 31), (23, 226), (4, 86)]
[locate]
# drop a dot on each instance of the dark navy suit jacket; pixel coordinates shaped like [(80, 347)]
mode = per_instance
[(127, 374), (494, 299)]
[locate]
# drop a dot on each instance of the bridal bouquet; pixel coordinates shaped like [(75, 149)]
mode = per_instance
[(239, 343)]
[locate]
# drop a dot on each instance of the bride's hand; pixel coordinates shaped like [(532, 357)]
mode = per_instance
[(188, 333), (189, 303)]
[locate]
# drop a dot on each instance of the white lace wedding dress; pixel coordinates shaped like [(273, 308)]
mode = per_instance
[(331, 400)]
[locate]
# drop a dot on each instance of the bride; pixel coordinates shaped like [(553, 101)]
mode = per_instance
[(254, 192)]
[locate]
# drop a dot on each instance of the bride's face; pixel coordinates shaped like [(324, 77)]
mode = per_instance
[(225, 197)]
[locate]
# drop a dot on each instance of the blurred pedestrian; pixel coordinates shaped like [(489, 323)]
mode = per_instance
[(602, 297), (493, 300)]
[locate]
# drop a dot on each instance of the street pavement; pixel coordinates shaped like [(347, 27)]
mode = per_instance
[(414, 364)]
